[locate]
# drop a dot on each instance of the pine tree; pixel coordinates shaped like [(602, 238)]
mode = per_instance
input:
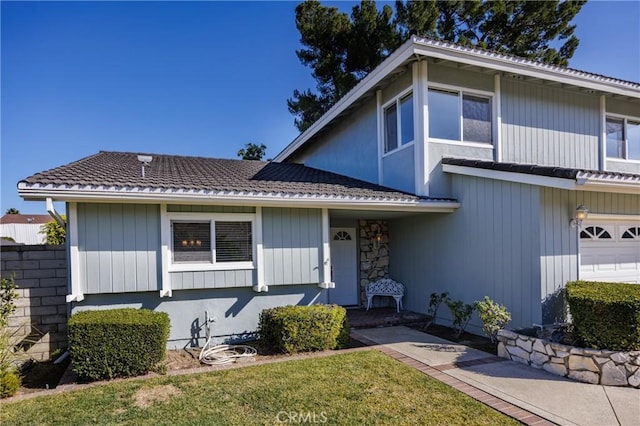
[(341, 49)]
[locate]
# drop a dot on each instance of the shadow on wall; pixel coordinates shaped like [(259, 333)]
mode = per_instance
[(555, 308)]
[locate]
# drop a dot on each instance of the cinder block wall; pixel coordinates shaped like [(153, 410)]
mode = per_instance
[(40, 319)]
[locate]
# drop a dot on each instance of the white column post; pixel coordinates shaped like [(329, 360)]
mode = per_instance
[(497, 113), (260, 286), (326, 252), (423, 123), (602, 152), (74, 255), (165, 243), (380, 126)]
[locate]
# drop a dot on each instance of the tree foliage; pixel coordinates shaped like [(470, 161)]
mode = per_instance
[(12, 210), (54, 233), (252, 151), (341, 49)]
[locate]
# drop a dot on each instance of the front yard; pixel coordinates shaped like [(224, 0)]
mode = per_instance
[(364, 387)]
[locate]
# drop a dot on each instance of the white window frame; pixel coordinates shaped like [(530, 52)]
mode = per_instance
[(461, 91), (625, 119), (396, 100), (212, 218)]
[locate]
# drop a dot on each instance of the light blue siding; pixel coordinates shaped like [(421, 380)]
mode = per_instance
[(119, 246), (626, 107), (490, 246), (398, 170), (549, 126), (462, 78), (292, 241), (235, 310), (401, 83), (559, 241), (440, 182), (213, 279), (337, 149)]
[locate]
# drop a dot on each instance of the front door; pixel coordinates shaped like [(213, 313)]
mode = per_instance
[(344, 267)]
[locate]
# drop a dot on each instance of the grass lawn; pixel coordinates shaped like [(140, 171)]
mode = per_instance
[(364, 387)]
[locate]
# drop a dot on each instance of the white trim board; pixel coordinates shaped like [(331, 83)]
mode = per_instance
[(578, 184)]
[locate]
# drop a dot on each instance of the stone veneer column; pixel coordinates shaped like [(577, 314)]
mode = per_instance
[(374, 255)]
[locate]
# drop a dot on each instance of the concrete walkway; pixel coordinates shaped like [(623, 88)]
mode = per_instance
[(556, 399)]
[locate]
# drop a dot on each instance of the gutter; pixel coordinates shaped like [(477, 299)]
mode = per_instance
[(275, 200), (54, 214)]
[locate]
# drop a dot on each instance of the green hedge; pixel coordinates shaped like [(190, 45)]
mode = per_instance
[(113, 343), (606, 315), (292, 329)]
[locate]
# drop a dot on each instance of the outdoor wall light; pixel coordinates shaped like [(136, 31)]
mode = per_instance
[(579, 215)]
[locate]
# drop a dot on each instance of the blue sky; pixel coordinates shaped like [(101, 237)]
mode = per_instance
[(198, 78)]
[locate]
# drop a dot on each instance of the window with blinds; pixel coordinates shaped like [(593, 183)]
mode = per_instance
[(191, 242), (233, 242)]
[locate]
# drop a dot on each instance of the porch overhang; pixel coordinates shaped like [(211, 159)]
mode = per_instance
[(552, 177)]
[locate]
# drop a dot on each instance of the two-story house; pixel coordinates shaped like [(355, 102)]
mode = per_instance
[(447, 168)]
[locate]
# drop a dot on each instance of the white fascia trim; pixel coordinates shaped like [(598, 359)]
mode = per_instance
[(550, 182), (499, 62), (165, 247), (77, 294), (615, 217), (402, 54), (582, 182), (276, 200), (605, 183)]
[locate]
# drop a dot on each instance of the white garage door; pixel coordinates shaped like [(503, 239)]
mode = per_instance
[(610, 251)]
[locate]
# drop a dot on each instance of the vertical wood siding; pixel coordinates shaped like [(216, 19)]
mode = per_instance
[(559, 241), (292, 241), (549, 126), (398, 170), (337, 147), (212, 279), (489, 247), (119, 246)]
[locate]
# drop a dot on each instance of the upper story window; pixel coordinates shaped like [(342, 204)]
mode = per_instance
[(458, 116), (211, 241), (398, 123), (623, 138)]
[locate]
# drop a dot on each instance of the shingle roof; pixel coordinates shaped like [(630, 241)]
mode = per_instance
[(532, 169), (25, 218), (117, 170)]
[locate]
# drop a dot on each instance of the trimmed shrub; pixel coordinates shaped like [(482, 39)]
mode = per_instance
[(606, 315), (9, 383), (292, 329), (493, 315), (113, 343)]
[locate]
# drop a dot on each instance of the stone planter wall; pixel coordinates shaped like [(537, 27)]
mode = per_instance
[(374, 256), (585, 365)]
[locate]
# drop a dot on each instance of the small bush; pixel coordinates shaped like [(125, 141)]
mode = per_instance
[(9, 383), (460, 315), (113, 343), (606, 315), (493, 315), (292, 329), (435, 300)]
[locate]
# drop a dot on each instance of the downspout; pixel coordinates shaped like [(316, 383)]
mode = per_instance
[(54, 214)]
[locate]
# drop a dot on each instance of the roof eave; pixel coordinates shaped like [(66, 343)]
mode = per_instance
[(239, 198), (582, 182)]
